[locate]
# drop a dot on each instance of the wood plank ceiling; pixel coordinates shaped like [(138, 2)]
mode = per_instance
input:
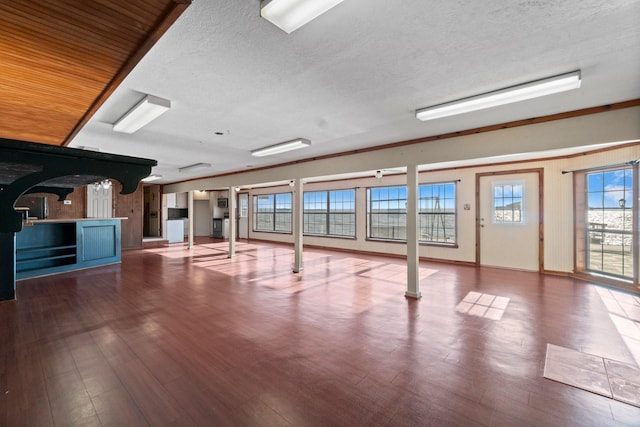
[(60, 60)]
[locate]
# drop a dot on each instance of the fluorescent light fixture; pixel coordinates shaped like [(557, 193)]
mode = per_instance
[(289, 15), (508, 95), (143, 113), (152, 178), (282, 147), (195, 166)]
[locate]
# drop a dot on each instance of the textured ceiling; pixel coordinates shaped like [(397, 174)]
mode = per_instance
[(353, 77)]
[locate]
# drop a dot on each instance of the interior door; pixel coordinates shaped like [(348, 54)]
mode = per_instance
[(509, 220), (243, 215), (99, 202)]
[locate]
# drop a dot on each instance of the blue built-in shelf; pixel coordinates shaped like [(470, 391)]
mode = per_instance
[(50, 246)]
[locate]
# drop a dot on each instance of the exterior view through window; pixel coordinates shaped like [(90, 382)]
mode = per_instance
[(387, 213), (272, 212), (437, 212), (507, 202), (330, 213), (609, 222)]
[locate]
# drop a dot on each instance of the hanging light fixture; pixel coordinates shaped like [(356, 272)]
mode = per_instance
[(104, 184)]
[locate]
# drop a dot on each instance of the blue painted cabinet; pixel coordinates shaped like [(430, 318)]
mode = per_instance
[(48, 247)]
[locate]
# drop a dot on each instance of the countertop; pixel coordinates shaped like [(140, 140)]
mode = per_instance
[(40, 221)]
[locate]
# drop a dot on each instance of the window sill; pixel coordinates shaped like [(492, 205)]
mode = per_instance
[(331, 236), (272, 232), (433, 244)]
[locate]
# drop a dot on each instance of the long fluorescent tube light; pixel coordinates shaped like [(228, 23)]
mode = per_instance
[(194, 166), (152, 178), (282, 147), (289, 15), (508, 95), (142, 114)]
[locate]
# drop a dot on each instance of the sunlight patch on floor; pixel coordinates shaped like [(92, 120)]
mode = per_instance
[(483, 305), (624, 311)]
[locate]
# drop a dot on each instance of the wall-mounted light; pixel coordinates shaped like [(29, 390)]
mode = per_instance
[(289, 15), (292, 183), (378, 174), (143, 113), (508, 95), (195, 166), (237, 189), (281, 147)]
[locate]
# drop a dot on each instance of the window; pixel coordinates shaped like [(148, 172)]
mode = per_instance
[(609, 213), (330, 213), (437, 213), (243, 206), (272, 212), (507, 202), (387, 211)]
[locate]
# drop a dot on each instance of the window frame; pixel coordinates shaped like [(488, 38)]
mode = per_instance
[(453, 243), (521, 211), (274, 212), (328, 213), (597, 233), (369, 213)]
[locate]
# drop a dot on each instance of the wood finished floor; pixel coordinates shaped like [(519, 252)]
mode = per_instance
[(173, 337)]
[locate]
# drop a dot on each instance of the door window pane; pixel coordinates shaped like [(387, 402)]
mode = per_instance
[(609, 222), (507, 202)]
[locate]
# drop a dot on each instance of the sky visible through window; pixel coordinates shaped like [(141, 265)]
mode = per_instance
[(609, 222), (606, 189)]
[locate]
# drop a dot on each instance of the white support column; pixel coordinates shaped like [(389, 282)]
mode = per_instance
[(232, 222), (298, 207), (190, 213), (413, 262)]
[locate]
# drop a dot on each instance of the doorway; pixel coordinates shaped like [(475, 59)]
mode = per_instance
[(509, 226), (243, 215), (99, 201), (151, 211)]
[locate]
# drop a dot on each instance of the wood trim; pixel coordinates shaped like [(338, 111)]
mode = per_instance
[(607, 281), (540, 172), (557, 273), (581, 231), (635, 229), (483, 129), (172, 13), (538, 159)]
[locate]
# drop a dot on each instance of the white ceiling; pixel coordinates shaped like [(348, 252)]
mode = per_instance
[(353, 77)]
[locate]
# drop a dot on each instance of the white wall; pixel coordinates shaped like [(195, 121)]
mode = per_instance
[(601, 128), (557, 214), (202, 223), (607, 127)]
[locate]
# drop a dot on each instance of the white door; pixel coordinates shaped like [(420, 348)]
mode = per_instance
[(243, 216), (510, 221), (99, 202)]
